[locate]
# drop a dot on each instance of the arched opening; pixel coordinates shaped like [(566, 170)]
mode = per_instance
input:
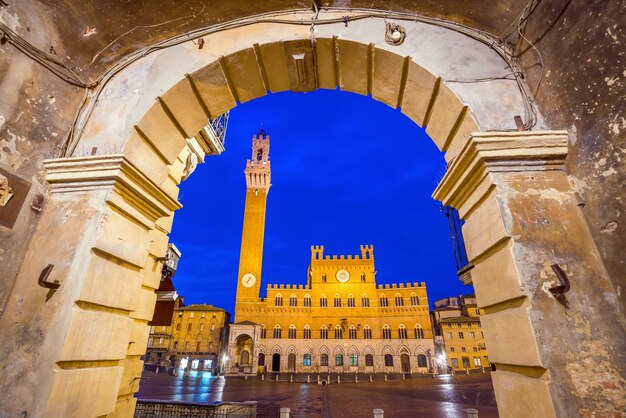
[(324, 360), (243, 353), (161, 139), (291, 362), (388, 360), (276, 362), (421, 360), (405, 363)]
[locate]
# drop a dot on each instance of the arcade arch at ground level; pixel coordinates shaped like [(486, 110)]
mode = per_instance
[(331, 356), (114, 211)]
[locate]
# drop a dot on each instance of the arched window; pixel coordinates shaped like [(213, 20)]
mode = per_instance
[(365, 301), (261, 359), (388, 360), (306, 360), (277, 331), (369, 360), (386, 332), (351, 301), (362, 277), (367, 332), (399, 300), (337, 302), (324, 332), (323, 278), (307, 332), (292, 331), (353, 360), (419, 332), (263, 331), (338, 359), (415, 301), (383, 301), (324, 359), (307, 301), (402, 332), (338, 333), (293, 300), (323, 301), (352, 332), (421, 361), (279, 300)]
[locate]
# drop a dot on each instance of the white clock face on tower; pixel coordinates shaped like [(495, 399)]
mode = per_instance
[(343, 276), (248, 280)]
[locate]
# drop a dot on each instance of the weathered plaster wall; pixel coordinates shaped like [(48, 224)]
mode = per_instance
[(35, 113), (583, 89)]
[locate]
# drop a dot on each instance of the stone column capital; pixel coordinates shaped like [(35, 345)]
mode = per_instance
[(498, 152), (135, 192)]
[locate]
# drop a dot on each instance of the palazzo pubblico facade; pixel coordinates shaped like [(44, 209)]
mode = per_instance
[(339, 321)]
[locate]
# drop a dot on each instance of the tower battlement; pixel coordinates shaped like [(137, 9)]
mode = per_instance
[(317, 254)]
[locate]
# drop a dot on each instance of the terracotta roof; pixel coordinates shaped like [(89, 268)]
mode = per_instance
[(460, 319), (199, 308)]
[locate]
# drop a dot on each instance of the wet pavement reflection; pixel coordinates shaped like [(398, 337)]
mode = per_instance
[(419, 397)]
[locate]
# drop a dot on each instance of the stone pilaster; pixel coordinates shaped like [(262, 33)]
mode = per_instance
[(553, 356), (99, 230)]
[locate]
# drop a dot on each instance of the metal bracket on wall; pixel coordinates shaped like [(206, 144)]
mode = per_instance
[(43, 278)]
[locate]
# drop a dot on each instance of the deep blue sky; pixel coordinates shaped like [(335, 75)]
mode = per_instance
[(346, 170)]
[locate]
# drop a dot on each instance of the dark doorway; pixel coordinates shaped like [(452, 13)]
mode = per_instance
[(276, 362), (406, 363)]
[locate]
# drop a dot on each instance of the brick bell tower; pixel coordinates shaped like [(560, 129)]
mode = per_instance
[(258, 183)]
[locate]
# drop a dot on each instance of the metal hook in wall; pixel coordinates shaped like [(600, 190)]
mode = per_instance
[(43, 278), (563, 279)]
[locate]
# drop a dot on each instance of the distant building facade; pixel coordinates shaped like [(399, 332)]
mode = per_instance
[(339, 321), (196, 339), (459, 338)]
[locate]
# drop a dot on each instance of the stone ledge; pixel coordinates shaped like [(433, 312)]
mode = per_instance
[(78, 174), (487, 152)]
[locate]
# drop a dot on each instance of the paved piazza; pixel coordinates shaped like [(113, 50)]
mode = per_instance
[(417, 397)]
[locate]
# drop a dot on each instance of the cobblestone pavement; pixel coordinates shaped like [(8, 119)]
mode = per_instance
[(419, 397)]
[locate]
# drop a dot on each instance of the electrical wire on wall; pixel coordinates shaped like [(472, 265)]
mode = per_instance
[(93, 89)]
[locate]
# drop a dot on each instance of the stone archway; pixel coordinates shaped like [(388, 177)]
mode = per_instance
[(126, 201)]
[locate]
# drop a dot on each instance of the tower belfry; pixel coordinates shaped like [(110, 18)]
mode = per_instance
[(258, 182)]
